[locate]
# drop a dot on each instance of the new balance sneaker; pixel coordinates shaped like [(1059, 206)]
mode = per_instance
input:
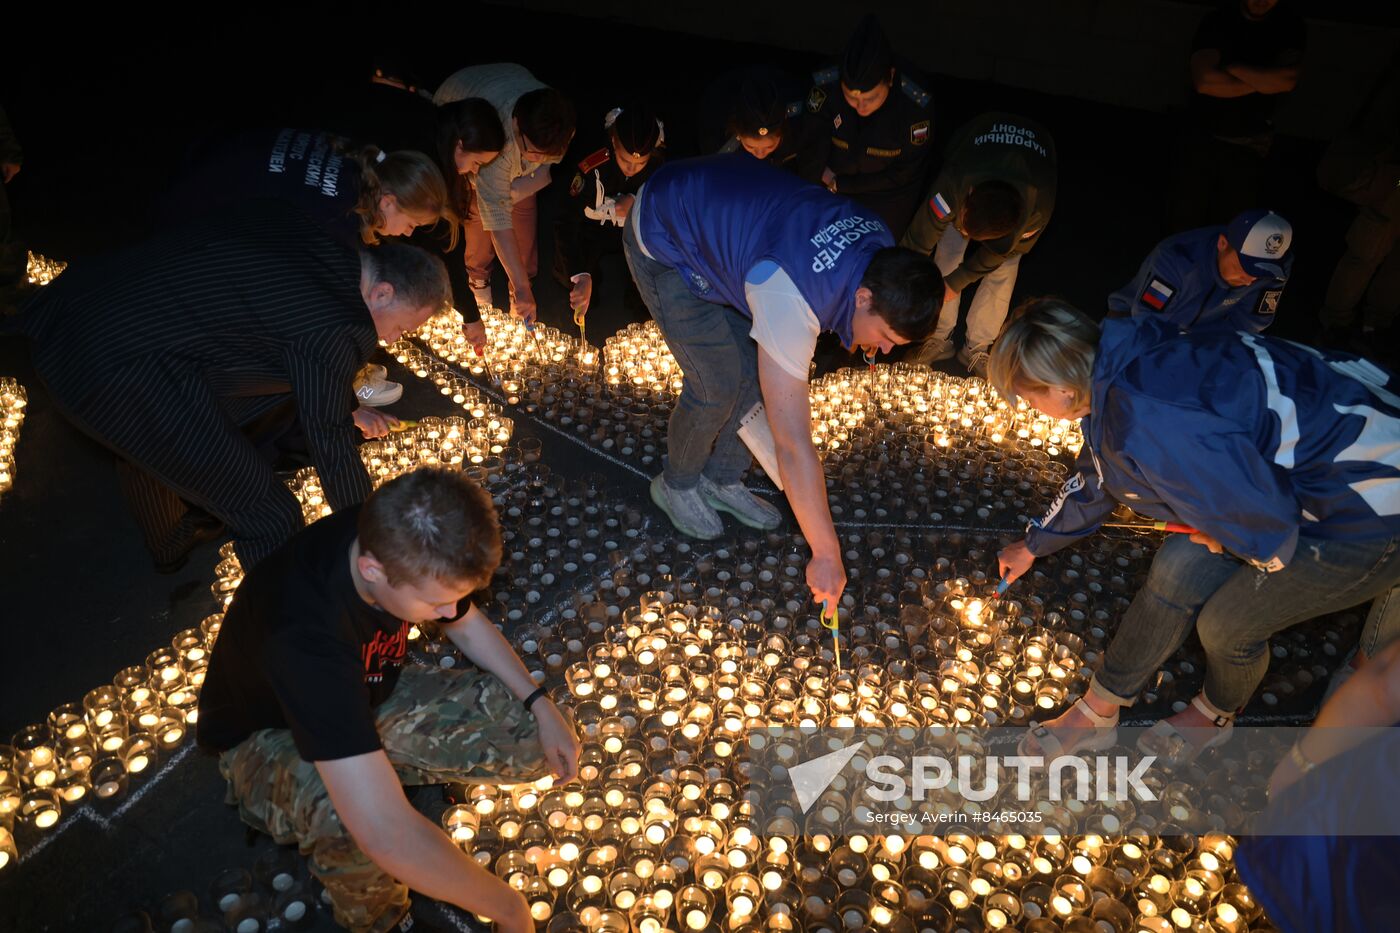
[(975, 359), (742, 504), (482, 294), (373, 389), (687, 510), (934, 350)]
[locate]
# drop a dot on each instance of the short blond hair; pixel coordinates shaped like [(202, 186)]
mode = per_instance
[(1046, 343)]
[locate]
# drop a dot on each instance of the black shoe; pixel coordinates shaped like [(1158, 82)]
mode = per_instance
[(194, 529)]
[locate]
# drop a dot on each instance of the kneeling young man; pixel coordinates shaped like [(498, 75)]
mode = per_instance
[(317, 722), (743, 266)]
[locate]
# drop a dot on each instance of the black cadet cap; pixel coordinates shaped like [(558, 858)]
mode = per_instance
[(868, 57), (760, 109)]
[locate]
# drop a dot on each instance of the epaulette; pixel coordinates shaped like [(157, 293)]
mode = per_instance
[(826, 75), (596, 159), (794, 108), (912, 90)]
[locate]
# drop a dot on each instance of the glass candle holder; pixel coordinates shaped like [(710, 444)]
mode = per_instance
[(250, 916), (68, 723), (35, 756), (9, 852), (138, 751), (277, 870), (230, 888), (107, 776), (178, 912), (295, 908), (39, 809)]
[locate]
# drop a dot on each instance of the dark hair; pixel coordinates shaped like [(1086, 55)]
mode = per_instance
[(546, 119), (906, 290), (418, 277), (471, 123), (432, 522), (991, 209), (635, 129), (760, 109)]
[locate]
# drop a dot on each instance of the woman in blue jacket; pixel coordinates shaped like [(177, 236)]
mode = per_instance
[(1287, 460)]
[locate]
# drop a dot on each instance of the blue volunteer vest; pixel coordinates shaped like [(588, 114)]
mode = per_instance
[(714, 219)]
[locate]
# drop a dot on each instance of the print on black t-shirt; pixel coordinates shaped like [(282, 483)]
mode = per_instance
[(385, 649)]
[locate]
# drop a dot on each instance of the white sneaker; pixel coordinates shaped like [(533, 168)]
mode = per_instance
[(375, 391), (742, 504), (975, 359), (934, 350), (687, 510), (482, 294)]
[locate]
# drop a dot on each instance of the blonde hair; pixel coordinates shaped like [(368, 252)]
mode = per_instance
[(412, 178), (1045, 343)]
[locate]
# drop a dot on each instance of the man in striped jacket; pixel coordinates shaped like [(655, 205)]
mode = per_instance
[(164, 350)]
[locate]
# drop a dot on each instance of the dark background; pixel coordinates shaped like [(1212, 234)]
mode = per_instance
[(106, 105)]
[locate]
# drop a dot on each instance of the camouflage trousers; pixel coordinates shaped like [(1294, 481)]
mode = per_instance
[(437, 726)]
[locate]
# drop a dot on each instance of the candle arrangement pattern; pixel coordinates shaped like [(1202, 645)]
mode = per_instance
[(13, 401), (668, 655), (946, 449)]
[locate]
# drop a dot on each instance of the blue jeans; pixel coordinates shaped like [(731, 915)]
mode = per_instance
[(1235, 609), (711, 343)]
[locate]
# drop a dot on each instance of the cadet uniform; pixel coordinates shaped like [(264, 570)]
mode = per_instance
[(879, 160), (992, 147), (586, 229), (305, 671), (785, 156), (1180, 281), (750, 87)]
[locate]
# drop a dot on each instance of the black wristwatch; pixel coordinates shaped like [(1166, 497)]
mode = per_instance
[(529, 701)]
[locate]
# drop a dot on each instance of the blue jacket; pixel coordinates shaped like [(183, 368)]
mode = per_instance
[(715, 219), (1180, 282), (1251, 439)]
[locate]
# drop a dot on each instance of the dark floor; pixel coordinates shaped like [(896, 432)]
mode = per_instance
[(102, 133)]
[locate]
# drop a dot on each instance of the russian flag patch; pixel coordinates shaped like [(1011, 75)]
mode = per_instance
[(1157, 294), (940, 207)]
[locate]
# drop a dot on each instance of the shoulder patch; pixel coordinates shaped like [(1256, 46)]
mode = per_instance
[(912, 90), (596, 159), (816, 99), (1268, 302), (576, 185), (828, 75), (1157, 294), (794, 108), (918, 133), (939, 205)]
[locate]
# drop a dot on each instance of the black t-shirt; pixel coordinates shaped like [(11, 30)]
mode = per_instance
[(1271, 42), (300, 650)]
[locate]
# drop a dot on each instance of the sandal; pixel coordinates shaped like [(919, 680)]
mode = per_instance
[(1173, 749), (1102, 736)]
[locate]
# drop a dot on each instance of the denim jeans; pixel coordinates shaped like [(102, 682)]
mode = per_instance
[(1235, 609), (711, 343)]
